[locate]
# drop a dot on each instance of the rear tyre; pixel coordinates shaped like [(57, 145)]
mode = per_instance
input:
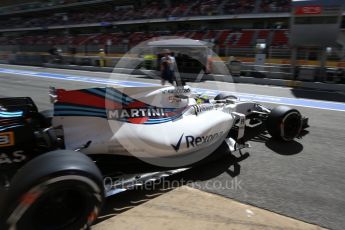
[(57, 190), (284, 123)]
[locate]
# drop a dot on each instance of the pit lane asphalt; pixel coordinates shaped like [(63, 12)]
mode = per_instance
[(304, 180)]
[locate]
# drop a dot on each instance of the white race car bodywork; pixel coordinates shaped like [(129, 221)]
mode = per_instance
[(146, 122)]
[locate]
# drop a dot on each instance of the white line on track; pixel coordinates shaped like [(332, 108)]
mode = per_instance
[(260, 98)]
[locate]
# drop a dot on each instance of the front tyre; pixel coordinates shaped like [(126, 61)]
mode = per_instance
[(224, 96), (284, 123), (57, 190)]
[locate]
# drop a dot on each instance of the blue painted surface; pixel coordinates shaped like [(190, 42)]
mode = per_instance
[(317, 104)]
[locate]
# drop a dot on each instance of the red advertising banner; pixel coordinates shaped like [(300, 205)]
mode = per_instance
[(305, 10)]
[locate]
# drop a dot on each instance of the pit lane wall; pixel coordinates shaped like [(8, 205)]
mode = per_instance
[(307, 76)]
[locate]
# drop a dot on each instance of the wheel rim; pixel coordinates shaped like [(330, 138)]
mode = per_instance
[(291, 126), (59, 209)]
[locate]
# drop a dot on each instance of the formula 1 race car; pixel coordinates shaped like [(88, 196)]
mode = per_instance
[(54, 165)]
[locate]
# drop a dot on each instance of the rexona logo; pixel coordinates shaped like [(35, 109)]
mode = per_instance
[(192, 141)]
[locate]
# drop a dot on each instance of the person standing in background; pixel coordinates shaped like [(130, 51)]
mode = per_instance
[(101, 55), (167, 67)]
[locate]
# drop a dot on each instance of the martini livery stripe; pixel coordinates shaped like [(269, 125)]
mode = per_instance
[(111, 104)]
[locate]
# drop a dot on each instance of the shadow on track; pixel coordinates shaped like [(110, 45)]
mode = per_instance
[(221, 161), (320, 95), (283, 148)]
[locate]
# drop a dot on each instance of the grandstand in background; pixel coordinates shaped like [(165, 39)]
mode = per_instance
[(82, 27)]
